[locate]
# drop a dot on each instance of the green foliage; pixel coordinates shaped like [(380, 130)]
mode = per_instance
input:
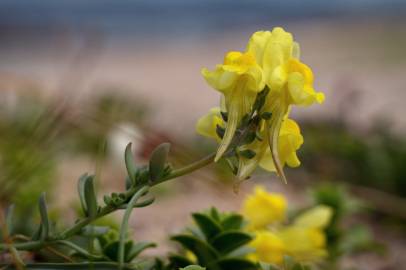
[(341, 238), (217, 241), (193, 267), (107, 245), (28, 151), (375, 158), (158, 161), (98, 248)]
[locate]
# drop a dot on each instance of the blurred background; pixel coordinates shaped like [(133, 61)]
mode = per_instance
[(80, 79)]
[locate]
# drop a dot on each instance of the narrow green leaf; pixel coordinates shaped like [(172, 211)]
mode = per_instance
[(207, 225), (260, 99), (44, 217), (90, 197), (37, 233), (232, 222), (130, 164), (139, 204), (297, 266), (177, 261), (81, 191), (228, 241), (249, 138), (111, 249), (157, 161), (128, 183), (201, 249), (248, 153), (266, 115), (75, 266), (79, 250), (235, 263), (107, 199), (224, 115), (220, 131), (193, 267), (288, 262), (94, 231), (214, 213), (136, 249), (9, 219)]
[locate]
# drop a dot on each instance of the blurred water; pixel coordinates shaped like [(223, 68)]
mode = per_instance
[(179, 18)]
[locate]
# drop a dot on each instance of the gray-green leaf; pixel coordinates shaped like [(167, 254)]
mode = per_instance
[(157, 161)]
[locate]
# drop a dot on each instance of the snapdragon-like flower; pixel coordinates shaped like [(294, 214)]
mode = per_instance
[(289, 80), (262, 208), (289, 142), (259, 88), (239, 79), (303, 239)]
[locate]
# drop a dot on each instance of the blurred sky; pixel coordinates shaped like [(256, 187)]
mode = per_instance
[(155, 50)]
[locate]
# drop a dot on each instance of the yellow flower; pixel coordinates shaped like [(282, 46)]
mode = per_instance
[(304, 244), (289, 142), (239, 80), (290, 81), (263, 208), (304, 239), (306, 235), (271, 62), (191, 256), (268, 247), (278, 55), (206, 125), (317, 217)]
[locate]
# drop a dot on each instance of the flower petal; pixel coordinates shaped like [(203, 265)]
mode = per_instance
[(318, 217), (206, 125)]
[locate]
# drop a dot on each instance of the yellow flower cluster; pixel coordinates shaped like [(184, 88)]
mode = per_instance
[(271, 61), (303, 239)]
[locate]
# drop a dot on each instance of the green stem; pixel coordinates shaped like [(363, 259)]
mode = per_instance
[(79, 249), (24, 246), (187, 169), (35, 245), (124, 224), (82, 223)]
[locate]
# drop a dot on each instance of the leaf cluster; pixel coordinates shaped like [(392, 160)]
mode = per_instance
[(217, 241)]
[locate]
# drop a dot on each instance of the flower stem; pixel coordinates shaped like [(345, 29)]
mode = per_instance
[(187, 169)]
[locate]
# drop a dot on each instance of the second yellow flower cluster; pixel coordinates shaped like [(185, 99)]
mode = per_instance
[(270, 63), (303, 239)]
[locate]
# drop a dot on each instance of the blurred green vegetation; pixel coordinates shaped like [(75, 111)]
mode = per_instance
[(344, 238), (36, 135), (374, 158)]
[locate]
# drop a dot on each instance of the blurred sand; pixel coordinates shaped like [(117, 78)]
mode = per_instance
[(360, 65)]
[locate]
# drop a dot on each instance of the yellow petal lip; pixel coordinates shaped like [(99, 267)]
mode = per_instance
[(317, 217), (206, 125), (219, 79), (263, 208), (290, 140), (269, 247)]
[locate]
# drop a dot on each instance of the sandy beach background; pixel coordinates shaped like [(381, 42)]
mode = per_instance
[(359, 63)]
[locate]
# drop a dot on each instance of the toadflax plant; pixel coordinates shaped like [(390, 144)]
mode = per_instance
[(258, 89)]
